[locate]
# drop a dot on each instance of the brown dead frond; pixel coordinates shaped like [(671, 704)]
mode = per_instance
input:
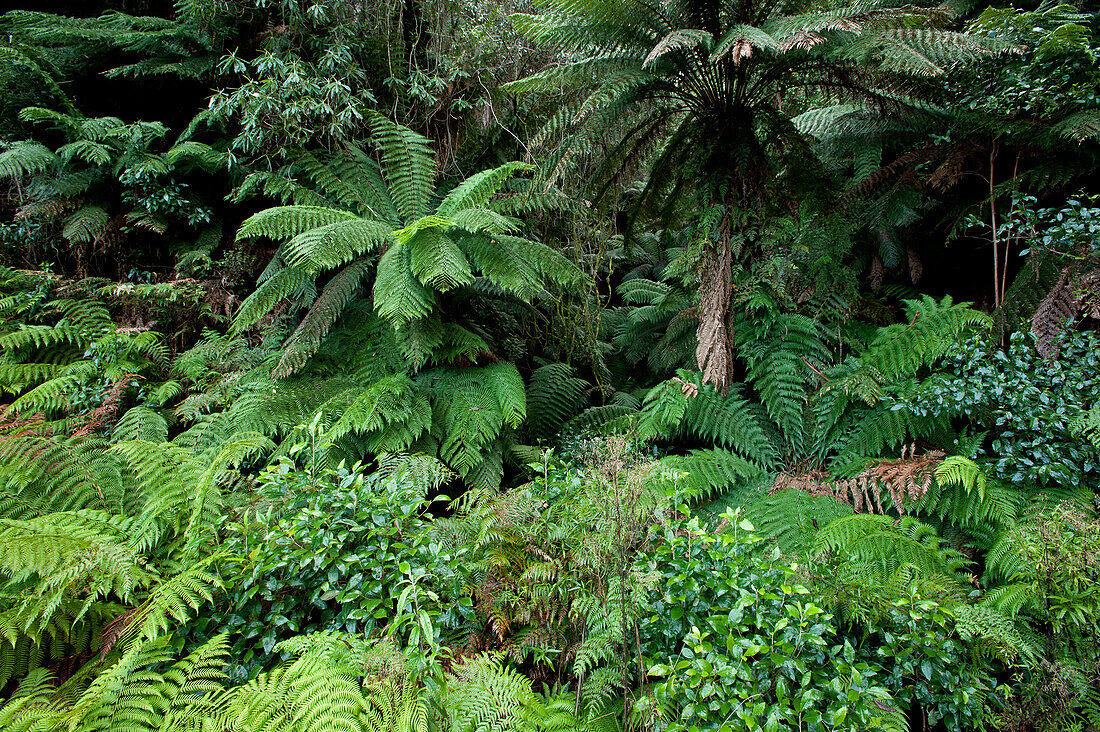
[(1054, 311), (906, 479), (99, 417), (689, 389), (916, 266)]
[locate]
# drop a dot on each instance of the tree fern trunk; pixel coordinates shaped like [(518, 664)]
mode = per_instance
[(739, 166), (714, 352)]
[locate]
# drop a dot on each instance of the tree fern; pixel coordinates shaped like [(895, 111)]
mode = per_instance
[(424, 253), (709, 74)]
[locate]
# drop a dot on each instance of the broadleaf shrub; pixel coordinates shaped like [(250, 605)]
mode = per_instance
[(334, 549)]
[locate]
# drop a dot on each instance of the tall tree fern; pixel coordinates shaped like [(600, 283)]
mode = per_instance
[(704, 92)]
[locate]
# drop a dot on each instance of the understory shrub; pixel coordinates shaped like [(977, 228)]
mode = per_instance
[(1029, 405), (736, 643), (334, 549)]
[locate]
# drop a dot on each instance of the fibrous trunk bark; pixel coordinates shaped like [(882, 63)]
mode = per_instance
[(738, 159), (714, 352)]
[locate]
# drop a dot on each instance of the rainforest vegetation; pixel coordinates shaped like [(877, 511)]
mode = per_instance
[(549, 365)]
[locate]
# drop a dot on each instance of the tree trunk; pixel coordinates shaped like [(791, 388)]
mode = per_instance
[(714, 352), (740, 162)]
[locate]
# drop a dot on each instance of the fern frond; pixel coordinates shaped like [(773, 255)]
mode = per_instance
[(483, 695), (284, 284), (408, 166), (287, 222), (477, 190), (335, 244), (884, 545), (794, 518), (703, 474), (27, 158), (898, 351), (437, 261), (326, 309), (399, 296), (141, 423), (554, 395)]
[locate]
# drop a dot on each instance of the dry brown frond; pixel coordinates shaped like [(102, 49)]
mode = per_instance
[(906, 479), (1049, 320)]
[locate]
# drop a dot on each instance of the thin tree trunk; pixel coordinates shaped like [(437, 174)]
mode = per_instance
[(993, 224)]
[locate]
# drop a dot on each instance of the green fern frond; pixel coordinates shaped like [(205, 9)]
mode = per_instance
[(483, 695), (731, 422), (332, 245), (287, 222), (408, 166), (780, 350), (474, 405), (884, 545), (794, 518), (437, 261), (399, 296), (554, 396), (1088, 426), (141, 423), (703, 474), (477, 190), (27, 158), (284, 284), (898, 351), (985, 627), (318, 321)]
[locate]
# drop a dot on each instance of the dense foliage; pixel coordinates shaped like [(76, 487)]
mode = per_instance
[(544, 365)]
